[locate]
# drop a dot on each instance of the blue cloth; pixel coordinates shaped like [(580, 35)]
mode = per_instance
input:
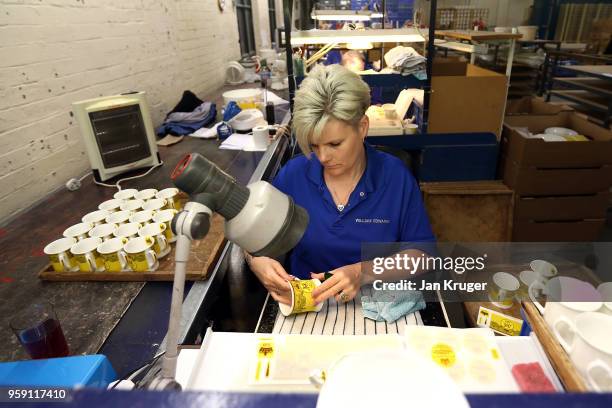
[(390, 305), (231, 110), (386, 206), (185, 128)]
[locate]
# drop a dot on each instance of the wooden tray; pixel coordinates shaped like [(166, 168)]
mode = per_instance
[(556, 354), (202, 259)]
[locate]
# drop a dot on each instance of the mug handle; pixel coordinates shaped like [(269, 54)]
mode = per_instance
[(91, 260), (501, 295), (163, 241), (123, 260), (532, 296), (593, 365), (151, 257), (565, 321), (65, 261)]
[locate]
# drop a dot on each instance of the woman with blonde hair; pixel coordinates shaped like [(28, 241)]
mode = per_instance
[(352, 192)]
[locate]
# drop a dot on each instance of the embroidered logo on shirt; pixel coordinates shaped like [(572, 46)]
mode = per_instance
[(372, 221)]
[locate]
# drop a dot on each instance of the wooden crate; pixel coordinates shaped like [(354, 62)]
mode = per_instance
[(202, 259), (557, 231), (557, 208), (542, 181), (479, 211)]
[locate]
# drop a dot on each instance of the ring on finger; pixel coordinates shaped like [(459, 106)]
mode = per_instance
[(343, 296)]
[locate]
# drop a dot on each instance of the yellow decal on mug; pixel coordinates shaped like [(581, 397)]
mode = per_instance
[(111, 262), (84, 264), (57, 265), (302, 293)]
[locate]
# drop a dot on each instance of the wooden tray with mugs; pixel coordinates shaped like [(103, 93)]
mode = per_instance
[(202, 259)]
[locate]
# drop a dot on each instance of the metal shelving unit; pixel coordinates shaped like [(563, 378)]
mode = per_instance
[(591, 89), (438, 157), (372, 80)]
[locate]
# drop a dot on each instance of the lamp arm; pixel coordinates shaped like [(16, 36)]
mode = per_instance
[(191, 223)]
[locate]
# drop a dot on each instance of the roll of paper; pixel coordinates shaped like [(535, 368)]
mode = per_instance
[(260, 137)]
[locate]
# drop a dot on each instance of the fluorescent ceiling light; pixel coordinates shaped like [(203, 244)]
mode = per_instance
[(359, 45), (345, 36), (339, 15), (377, 15)]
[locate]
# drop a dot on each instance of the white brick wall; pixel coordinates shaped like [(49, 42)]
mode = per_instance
[(55, 52)]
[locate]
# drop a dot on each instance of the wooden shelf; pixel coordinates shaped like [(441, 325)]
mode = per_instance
[(471, 35), (599, 86)]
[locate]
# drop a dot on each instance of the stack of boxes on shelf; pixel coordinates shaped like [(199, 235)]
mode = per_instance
[(561, 187)]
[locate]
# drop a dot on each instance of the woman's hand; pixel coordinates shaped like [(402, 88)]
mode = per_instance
[(273, 276), (344, 285)]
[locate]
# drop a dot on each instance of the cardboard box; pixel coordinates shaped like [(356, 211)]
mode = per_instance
[(559, 208), (536, 181), (469, 102), (531, 106), (449, 66), (536, 152), (573, 231)]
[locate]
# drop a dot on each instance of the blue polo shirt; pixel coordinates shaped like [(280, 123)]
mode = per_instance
[(385, 206)]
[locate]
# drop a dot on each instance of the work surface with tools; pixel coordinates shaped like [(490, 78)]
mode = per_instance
[(89, 311)]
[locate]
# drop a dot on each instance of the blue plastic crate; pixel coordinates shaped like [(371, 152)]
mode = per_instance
[(448, 156), (71, 372)]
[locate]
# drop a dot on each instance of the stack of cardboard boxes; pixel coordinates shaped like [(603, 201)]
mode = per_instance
[(561, 188)]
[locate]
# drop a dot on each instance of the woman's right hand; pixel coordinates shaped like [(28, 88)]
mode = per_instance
[(273, 276)]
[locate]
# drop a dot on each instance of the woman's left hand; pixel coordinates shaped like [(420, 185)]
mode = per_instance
[(344, 285)]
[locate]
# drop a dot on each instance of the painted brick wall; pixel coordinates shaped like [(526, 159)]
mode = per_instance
[(55, 52)]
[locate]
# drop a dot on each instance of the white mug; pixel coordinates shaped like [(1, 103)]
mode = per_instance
[(103, 231), (166, 217), (526, 277), (95, 217), (140, 254), (146, 194), (126, 194), (60, 256), (119, 217), (87, 256), (78, 231), (589, 345), (545, 270), (171, 196), (113, 255), (111, 205), (503, 289), (129, 230), (157, 230), (155, 204), (142, 217), (132, 205)]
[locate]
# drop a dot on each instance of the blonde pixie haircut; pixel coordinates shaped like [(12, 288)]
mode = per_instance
[(331, 91)]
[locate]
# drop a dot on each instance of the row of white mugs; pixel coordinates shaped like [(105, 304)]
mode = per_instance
[(109, 239), (129, 247), (134, 200)]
